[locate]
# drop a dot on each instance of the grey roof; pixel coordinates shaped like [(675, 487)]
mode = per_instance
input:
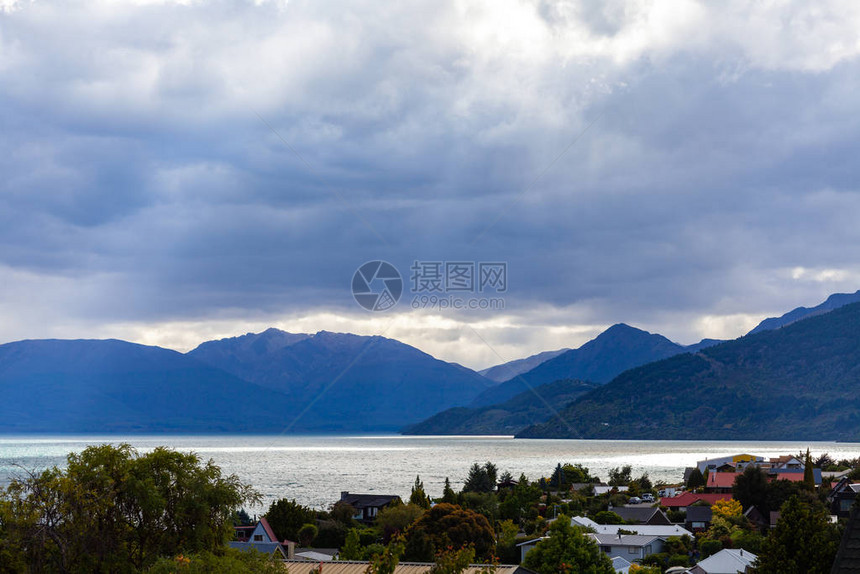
[(360, 501), (640, 514), (848, 557), (699, 514), (624, 540), (728, 561)]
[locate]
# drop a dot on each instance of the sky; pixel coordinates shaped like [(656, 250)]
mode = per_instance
[(173, 172)]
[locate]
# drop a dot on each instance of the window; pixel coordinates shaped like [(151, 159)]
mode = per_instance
[(606, 549), (258, 538), (632, 550)]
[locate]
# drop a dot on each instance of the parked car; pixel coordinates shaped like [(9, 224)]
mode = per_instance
[(648, 497), (635, 500)]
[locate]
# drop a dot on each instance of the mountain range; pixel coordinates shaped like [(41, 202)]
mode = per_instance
[(833, 302), (511, 369), (268, 382), (637, 383), (615, 350), (799, 381), (507, 418)]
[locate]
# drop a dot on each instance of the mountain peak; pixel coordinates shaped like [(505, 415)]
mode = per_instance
[(834, 301)]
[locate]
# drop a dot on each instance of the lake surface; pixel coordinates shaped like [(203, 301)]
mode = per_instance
[(315, 469)]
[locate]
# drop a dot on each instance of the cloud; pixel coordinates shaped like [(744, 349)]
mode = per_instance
[(175, 168)]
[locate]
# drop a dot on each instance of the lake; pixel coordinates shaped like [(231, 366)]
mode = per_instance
[(315, 469)]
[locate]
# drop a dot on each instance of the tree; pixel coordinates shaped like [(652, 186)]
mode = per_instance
[(608, 517), (112, 509), (481, 478), (307, 533), (567, 550), (808, 473), (453, 561), (386, 561), (557, 478), (286, 517), (727, 508), (696, 479), (226, 560), (352, 547), (449, 525), (750, 488), (394, 520), (620, 476), (418, 496), (803, 541), (448, 494)]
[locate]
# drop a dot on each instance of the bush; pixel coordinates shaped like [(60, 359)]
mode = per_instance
[(708, 547), (608, 517), (229, 561)]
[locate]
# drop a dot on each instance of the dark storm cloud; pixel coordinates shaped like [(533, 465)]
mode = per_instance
[(186, 159)]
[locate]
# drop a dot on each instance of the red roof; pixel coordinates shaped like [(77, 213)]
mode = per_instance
[(268, 529), (690, 498), (791, 476), (721, 479)]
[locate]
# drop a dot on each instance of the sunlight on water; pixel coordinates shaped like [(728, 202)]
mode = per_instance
[(315, 469)]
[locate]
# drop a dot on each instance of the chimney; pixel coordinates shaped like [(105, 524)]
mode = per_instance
[(344, 494)]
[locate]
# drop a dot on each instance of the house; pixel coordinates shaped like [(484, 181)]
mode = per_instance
[(737, 461), (726, 561), (601, 489), (367, 506), (757, 517), (527, 545), (641, 514), (721, 482), (629, 546), (687, 499), (698, 518), (793, 474), (262, 538), (786, 462), (359, 567), (842, 496), (662, 530)]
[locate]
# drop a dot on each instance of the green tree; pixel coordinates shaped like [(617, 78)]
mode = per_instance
[(803, 542), (576, 473), (808, 473), (418, 496), (608, 517), (394, 520), (696, 479), (307, 533), (352, 547), (453, 561), (114, 510), (227, 561), (286, 517), (620, 476), (557, 480), (448, 494), (481, 478), (567, 550), (386, 561), (449, 525), (750, 488)]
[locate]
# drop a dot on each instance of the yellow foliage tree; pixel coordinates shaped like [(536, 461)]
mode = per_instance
[(727, 508)]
